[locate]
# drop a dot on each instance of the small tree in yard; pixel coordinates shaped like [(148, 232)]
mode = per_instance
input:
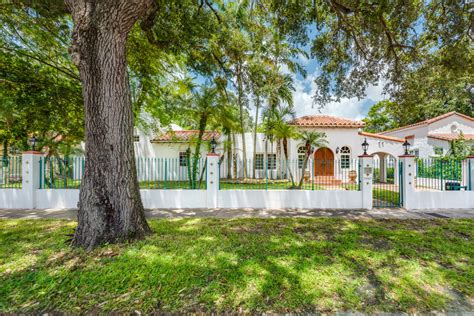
[(459, 149), (311, 140)]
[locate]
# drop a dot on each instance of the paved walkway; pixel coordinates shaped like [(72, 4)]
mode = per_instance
[(260, 213)]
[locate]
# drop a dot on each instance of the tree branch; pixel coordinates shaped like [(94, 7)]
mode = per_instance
[(213, 10), (66, 72)]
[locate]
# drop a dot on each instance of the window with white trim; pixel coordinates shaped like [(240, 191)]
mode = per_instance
[(438, 150), (415, 152), (259, 161), (301, 154), (271, 161), (345, 157), (183, 159), (136, 135)]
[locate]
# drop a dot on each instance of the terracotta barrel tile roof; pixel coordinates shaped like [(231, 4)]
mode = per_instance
[(450, 136), (394, 139), (325, 121), (431, 120), (184, 136)]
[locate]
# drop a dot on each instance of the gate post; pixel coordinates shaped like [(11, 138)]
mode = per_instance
[(366, 174), (470, 173), (30, 176), (212, 178), (407, 181)]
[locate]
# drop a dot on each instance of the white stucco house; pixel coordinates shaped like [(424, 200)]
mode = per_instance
[(335, 160), (431, 138)]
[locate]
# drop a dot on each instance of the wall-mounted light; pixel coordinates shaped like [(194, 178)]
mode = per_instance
[(337, 150)]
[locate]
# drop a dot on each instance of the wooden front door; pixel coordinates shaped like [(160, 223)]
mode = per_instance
[(323, 162)]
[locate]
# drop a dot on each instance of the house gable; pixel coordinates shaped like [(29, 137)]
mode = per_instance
[(442, 124)]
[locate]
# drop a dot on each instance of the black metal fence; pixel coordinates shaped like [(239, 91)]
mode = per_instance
[(283, 174), (11, 172), (387, 177)]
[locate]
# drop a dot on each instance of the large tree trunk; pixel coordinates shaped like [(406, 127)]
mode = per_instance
[(110, 207)]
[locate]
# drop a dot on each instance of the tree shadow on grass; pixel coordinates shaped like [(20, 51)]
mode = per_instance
[(254, 265)]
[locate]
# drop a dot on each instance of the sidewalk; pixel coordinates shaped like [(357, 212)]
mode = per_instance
[(260, 213)]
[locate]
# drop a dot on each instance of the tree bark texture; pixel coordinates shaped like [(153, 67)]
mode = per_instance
[(110, 206)]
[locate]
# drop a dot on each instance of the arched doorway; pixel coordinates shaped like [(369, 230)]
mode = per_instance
[(324, 162)]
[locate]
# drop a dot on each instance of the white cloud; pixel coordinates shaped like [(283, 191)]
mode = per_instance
[(348, 108)]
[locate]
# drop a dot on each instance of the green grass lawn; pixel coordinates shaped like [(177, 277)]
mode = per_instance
[(246, 265)]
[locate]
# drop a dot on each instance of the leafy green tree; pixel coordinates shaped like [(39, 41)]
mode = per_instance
[(459, 148), (379, 118), (40, 91), (37, 99)]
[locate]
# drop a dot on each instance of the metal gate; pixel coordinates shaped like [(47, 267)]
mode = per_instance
[(387, 180)]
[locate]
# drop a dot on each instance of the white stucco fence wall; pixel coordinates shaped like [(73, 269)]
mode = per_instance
[(60, 199), (56, 198), (174, 198), (438, 200), (13, 198), (330, 199)]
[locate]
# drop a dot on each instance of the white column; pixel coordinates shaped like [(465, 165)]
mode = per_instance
[(407, 182), (30, 176), (470, 173), (396, 172), (212, 170), (383, 167), (366, 179)]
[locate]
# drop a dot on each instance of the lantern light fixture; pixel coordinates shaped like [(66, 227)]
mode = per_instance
[(32, 142), (406, 146), (213, 145), (365, 146)]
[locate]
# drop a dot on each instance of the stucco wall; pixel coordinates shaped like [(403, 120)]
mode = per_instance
[(425, 144), (331, 199), (437, 200)]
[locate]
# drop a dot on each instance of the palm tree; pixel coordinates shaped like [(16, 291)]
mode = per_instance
[(279, 129), (311, 140), (284, 131)]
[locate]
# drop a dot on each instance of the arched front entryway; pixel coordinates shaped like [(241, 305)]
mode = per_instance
[(385, 168), (324, 162)]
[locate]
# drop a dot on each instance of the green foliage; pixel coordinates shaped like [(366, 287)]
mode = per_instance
[(252, 266), (379, 118), (39, 88), (460, 149), (446, 168)]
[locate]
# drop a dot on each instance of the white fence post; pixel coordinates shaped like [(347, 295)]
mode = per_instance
[(470, 173), (30, 176), (366, 178), (212, 178), (407, 182)]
